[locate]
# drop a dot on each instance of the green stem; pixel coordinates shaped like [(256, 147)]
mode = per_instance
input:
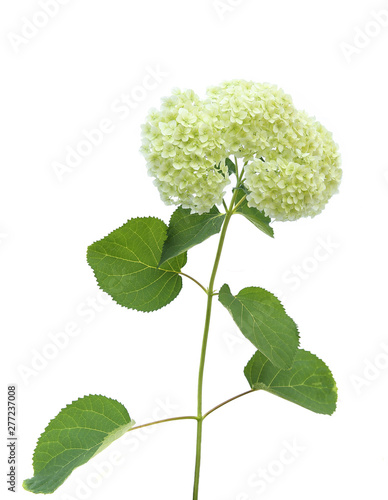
[(161, 422), (195, 281), (239, 203), (227, 401), (173, 419), (210, 294)]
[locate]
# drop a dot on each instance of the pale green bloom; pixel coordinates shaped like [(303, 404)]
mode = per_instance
[(185, 152), (292, 165), (300, 176)]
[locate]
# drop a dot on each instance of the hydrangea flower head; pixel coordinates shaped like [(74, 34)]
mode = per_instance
[(292, 165), (254, 116), (185, 152)]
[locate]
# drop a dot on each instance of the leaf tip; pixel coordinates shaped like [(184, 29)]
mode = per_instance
[(25, 485)]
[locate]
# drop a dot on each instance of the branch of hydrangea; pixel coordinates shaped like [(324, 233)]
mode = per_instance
[(225, 205), (236, 163), (195, 281), (239, 203), (228, 401), (161, 422)]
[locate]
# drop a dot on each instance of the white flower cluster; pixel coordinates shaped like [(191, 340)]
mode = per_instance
[(292, 165), (185, 152)]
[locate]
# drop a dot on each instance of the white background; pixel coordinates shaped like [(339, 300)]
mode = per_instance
[(65, 79)]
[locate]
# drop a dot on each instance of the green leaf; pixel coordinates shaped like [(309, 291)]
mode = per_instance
[(79, 431), (187, 230), (126, 265), (258, 218), (231, 166), (263, 320), (309, 383)]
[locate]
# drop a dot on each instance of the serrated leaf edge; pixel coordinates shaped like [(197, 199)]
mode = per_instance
[(281, 304), (166, 270), (271, 232), (64, 408), (220, 214), (266, 388)]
